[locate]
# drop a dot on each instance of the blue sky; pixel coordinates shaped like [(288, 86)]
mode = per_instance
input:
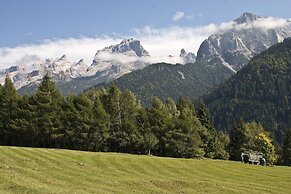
[(39, 22), (30, 21)]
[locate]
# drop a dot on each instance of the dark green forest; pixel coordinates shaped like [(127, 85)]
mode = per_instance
[(107, 120), (111, 120), (164, 80), (259, 92)]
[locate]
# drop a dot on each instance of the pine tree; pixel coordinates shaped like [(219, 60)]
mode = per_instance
[(204, 117), (22, 124), (46, 103), (215, 142), (237, 140), (101, 124), (149, 139), (286, 149), (112, 105), (159, 120), (129, 134), (8, 113), (78, 123)]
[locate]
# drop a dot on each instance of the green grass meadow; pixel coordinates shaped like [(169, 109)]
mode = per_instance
[(36, 170)]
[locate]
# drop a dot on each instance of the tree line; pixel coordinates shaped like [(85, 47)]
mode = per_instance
[(112, 120)]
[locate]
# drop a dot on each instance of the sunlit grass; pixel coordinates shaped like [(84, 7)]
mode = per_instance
[(31, 170)]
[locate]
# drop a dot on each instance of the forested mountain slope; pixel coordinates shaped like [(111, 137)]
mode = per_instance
[(165, 80), (260, 92)]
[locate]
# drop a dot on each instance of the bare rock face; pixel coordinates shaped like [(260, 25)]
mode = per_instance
[(237, 46), (116, 60)]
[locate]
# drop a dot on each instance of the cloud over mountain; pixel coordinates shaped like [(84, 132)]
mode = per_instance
[(160, 42)]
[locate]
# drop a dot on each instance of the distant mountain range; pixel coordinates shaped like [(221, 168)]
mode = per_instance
[(231, 49), (219, 57), (108, 64)]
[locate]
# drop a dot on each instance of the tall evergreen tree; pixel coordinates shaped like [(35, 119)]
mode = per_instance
[(215, 142), (184, 139), (8, 113), (286, 149), (129, 135), (78, 123), (160, 119), (237, 140), (112, 105), (149, 139), (46, 103), (22, 124), (101, 125), (204, 117)]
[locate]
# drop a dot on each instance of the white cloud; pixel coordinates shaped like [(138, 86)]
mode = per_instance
[(160, 42), (105, 56), (74, 48), (181, 15), (178, 16)]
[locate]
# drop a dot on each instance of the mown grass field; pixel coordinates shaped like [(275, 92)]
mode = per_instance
[(31, 170)]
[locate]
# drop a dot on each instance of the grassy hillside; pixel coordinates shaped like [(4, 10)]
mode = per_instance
[(30, 170)]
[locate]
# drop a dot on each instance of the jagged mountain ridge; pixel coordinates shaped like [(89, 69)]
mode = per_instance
[(62, 70), (108, 64), (238, 45)]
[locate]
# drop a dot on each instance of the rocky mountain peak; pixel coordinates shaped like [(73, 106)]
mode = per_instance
[(127, 45), (187, 57), (237, 46), (247, 18), (183, 53), (126, 41)]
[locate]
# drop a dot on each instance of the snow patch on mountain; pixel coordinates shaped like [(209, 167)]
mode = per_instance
[(182, 75)]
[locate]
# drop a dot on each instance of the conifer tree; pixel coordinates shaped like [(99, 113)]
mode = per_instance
[(101, 124), (159, 120), (8, 113), (149, 139), (237, 140), (46, 103), (204, 117), (286, 149)]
